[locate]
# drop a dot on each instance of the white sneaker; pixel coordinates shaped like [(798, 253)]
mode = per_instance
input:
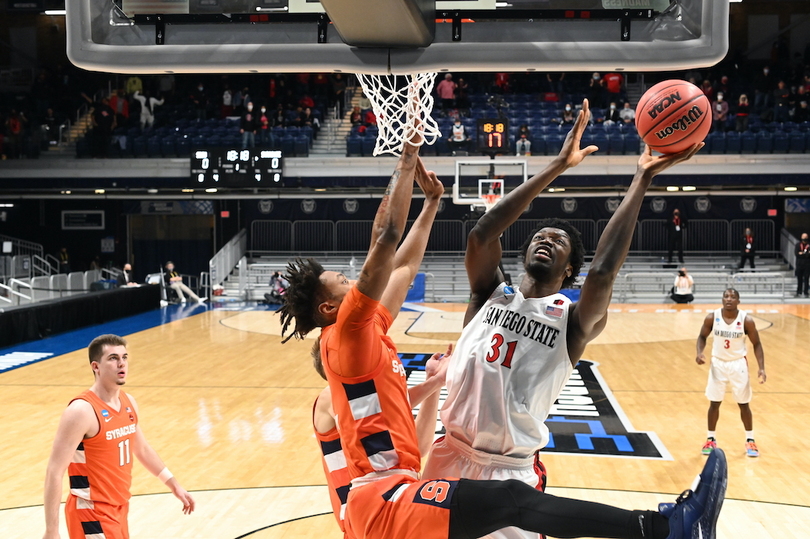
[(183, 300), (202, 300)]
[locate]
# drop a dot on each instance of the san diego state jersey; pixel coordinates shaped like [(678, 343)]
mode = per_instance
[(729, 339), (508, 369)]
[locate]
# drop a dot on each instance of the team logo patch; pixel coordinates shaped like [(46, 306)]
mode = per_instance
[(556, 312), (437, 493), (558, 302), (105, 413), (508, 290), (585, 420)]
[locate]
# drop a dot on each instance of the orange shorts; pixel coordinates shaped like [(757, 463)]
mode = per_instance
[(402, 507), (110, 520)]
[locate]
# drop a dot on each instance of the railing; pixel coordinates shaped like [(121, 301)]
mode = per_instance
[(18, 296), (227, 258), (41, 266), (656, 286), (700, 235), (22, 247), (787, 246)]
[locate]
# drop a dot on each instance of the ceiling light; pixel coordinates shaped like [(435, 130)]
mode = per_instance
[(54, 12), (211, 190), (688, 188), (6, 205), (188, 190), (790, 188), (672, 187), (556, 189), (99, 191)]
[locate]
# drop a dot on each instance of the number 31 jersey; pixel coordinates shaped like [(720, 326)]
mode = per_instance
[(508, 369)]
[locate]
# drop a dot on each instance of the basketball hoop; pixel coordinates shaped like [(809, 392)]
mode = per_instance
[(490, 199), (396, 101)]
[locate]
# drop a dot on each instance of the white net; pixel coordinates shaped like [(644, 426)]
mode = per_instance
[(397, 100), (490, 200)]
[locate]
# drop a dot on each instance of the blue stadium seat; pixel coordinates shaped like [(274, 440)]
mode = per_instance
[(83, 147), (749, 142), (442, 148), (287, 145), (733, 144), (796, 143), (301, 146), (781, 142), (616, 143), (353, 145), (632, 143), (554, 143), (183, 147), (139, 146), (601, 141), (716, 142), (764, 142), (367, 144), (153, 146), (168, 146)]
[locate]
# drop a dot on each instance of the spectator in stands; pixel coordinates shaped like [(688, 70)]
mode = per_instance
[(248, 126), (781, 101), (238, 103), (446, 90), (148, 104), (502, 83), (226, 108), (369, 118), (309, 120), (64, 260), (681, 292), (280, 117), (95, 264), (306, 102), (245, 93), (103, 124), (719, 114), (555, 84), (174, 281), (458, 140), (278, 287), (747, 250), (50, 124), (364, 102), (125, 278), (120, 105), (708, 90), (338, 92), (763, 90), (266, 138), (596, 91), (723, 87), (356, 117), (743, 110), (568, 116), (200, 100), (802, 113), (803, 266), (614, 85), (463, 97), (612, 116), (523, 145), (15, 126), (524, 130), (628, 113), (675, 228)]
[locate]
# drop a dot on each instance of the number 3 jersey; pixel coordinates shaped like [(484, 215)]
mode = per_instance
[(508, 369), (729, 339), (101, 467)]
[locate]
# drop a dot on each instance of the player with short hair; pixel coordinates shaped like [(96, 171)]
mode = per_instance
[(729, 365), (519, 346), (96, 439), (378, 437)]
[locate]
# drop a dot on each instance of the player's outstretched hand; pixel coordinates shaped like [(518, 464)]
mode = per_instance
[(428, 181), (700, 359), (653, 165), (436, 366), (762, 376), (571, 153), (183, 495)]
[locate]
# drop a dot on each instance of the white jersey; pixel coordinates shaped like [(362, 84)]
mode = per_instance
[(507, 370), (729, 339)]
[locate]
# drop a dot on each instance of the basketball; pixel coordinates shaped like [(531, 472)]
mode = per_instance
[(673, 115)]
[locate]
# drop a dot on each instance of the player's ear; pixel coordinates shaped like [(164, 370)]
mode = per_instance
[(569, 270), (327, 308)]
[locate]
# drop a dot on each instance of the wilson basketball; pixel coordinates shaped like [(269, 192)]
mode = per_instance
[(673, 115)]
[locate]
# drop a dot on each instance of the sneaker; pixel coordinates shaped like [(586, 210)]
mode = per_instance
[(751, 448), (709, 446), (694, 514)]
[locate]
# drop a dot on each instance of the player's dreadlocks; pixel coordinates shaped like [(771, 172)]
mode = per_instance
[(302, 298), (577, 247)]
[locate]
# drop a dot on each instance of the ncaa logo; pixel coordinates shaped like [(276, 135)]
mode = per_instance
[(612, 204), (350, 205), (658, 205), (441, 206), (702, 205), (265, 206), (569, 205), (308, 206), (748, 204)]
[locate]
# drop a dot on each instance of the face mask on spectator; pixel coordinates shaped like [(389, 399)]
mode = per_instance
[(567, 108), (250, 107), (612, 107), (264, 110)]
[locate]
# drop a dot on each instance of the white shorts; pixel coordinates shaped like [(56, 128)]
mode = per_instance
[(450, 457), (734, 372)]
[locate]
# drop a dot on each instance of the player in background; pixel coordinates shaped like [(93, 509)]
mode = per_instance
[(729, 365), (96, 440), (325, 425), (378, 436), (519, 346)]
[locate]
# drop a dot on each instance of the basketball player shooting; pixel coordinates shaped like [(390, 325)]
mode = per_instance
[(519, 346)]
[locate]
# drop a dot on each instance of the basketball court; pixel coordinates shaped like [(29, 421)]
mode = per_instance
[(228, 408)]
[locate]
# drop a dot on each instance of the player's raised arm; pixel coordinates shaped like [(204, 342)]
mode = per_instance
[(705, 331), (389, 225), (483, 243), (409, 255), (753, 334), (590, 313)]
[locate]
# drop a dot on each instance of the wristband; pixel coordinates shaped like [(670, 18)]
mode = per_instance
[(165, 475)]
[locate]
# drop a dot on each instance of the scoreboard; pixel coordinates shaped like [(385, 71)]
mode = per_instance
[(231, 167), (493, 135)]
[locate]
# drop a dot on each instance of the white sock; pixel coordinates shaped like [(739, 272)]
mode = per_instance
[(711, 434), (749, 435)]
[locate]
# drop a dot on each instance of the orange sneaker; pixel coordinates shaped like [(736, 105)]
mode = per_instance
[(751, 448), (709, 446)]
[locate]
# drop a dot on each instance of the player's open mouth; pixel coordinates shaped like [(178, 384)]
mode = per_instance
[(543, 251)]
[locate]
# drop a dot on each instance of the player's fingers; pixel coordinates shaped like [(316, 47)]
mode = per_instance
[(590, 149)]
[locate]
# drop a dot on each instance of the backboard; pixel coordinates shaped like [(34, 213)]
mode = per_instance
[(290, 36), (475, 178)]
